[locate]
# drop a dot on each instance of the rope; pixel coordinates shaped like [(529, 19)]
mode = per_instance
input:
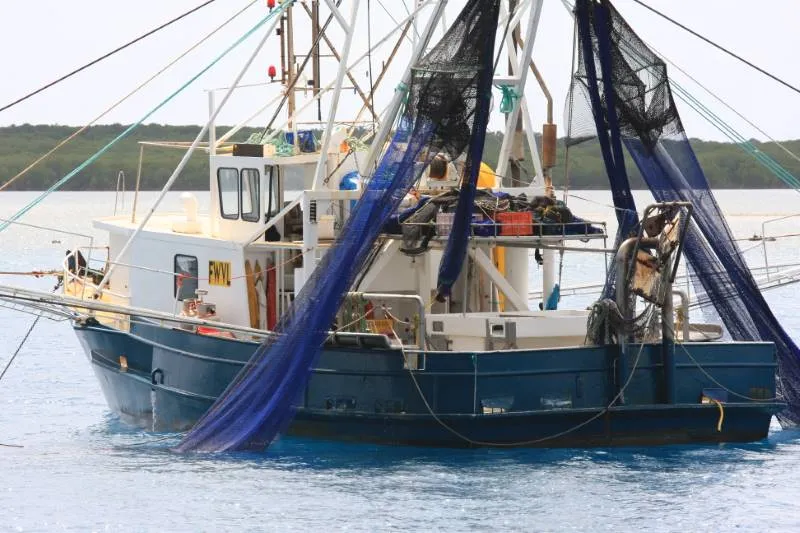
[(282, 146), (728, 130), (720, 385), (130, 129), (394, 20), (21, 344), (185, 276), (122, 100), (525, 443), (571, 96), (763, 158), (719, 47), (727, 105), (510, 97), (106, 56), (721, 413)]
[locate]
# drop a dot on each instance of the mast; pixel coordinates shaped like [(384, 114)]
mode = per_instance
[(315, 65), (290, 60), (282, 33), (400, 94), (519, 80), (517, 153)]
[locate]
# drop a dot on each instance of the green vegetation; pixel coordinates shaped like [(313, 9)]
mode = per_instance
[(726, 165)]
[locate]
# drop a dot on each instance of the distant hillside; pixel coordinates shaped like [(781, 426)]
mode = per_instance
[(726, 165)]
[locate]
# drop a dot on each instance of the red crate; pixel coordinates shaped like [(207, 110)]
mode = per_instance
[(515, 224)]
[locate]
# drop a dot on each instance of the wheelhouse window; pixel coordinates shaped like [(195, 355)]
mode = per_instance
[(228, 181), (250, 181), (185, 277), (273, 194)]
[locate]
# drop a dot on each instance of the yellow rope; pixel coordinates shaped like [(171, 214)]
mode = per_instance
[(721, 413)]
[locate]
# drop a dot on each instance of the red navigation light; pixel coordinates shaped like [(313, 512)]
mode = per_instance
[(271, 72)]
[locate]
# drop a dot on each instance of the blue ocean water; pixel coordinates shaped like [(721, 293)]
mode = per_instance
[(81, 469)]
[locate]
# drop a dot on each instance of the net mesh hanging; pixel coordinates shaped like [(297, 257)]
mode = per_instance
[(621, 89), (447, 111)]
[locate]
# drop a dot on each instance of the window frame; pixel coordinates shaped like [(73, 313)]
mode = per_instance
[(194, 276), (254, 215), (233, 216), (273, 193)]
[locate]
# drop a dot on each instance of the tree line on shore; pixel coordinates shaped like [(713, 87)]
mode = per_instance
[(726, 165)]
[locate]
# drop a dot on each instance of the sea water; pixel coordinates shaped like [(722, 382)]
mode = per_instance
[(80, 469)]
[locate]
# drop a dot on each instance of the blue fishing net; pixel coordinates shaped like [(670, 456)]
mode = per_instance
[(631, 100), (440, 116)]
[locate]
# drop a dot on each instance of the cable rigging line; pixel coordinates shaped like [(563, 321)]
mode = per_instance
[(369, 49), (129, 129), (727, 105), (738, 139), (21, 344), (719, 47), (106, 56), (119, 102)]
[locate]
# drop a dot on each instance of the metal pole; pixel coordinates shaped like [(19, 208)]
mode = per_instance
[(622, 260), (138, 182), (522, 72), (685, 310), (386, 66), (400, 93), (292, 102), (322, 163), (324, 36), (517, 153), (212, 129), (315, 65), (668, 343)]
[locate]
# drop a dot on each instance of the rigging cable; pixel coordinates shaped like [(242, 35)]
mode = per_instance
[(94, 157), (95, 120), (601, 410), (727, 105), (106, 56), (719, 47), (16, 353), (369, 51), (21, 344), (300, 70), (765, 159)]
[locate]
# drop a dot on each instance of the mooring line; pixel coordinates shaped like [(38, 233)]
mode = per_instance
[(21, 344), (8, 365)]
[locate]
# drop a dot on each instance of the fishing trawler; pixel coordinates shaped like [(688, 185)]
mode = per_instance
[(380, 292)]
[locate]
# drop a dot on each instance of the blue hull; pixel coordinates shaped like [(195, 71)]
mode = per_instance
[(547, 398)]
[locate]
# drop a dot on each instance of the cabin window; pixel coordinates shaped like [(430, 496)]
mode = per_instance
[(228, 181), (272, 202), (185, 277), (250, 195)]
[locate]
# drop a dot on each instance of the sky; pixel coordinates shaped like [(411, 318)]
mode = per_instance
[(45, 39)]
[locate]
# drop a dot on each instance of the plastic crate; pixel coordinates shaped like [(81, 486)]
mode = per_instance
[(515, 224), (444, 222), (381, 326)]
